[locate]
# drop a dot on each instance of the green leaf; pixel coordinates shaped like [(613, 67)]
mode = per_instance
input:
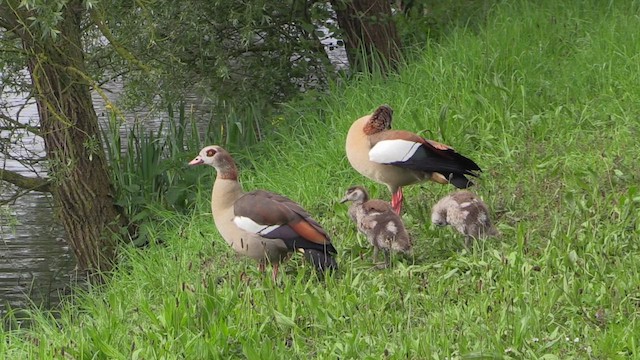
[(284, 320), (449, 274)]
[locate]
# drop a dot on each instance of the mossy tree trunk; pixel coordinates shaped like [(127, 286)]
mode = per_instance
[(370, 35), (81, 186)]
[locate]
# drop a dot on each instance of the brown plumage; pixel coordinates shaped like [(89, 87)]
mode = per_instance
[(378, 222), (260, 224), (398, 158), (466, 213)]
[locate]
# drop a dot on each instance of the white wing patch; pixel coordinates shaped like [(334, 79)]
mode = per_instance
[(482, 218), (251, 226), (389, 151), (391, 227)]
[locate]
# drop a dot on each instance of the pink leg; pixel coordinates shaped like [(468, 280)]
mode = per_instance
[(274, 275), (261, 267), (396, 201)]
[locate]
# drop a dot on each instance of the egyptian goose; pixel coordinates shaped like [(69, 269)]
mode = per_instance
[(465, 212), (378, 222), (260, 224), (398, 158)]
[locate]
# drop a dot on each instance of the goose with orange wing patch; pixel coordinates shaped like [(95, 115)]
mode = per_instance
[(262, 225)]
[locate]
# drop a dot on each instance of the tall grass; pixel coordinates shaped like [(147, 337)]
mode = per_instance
[(544, 98)]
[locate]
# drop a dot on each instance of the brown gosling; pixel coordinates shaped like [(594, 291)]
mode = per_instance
[(466, 213), (377, 220)]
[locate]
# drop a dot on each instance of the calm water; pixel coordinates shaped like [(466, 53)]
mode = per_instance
[(36, 264)]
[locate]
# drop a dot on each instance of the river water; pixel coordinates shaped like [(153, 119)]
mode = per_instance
[(36, 264)]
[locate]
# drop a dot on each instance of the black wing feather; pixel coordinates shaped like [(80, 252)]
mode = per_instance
[(447, 162), (295, 241)]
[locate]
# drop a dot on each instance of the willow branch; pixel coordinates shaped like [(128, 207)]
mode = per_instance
[(7, 19), (95, 86), (26, 183), (13, 198), (121, 50), (15, 124)]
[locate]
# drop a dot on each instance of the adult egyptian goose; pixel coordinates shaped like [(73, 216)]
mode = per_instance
[(398, 158), (465, 212), (378, 222), (260, 224)]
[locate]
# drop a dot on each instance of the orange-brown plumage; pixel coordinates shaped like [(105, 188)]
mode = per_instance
[(309, 232)]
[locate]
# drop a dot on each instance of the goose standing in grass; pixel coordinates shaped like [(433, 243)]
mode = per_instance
[(260, 224), (466, 213), (398, 158), (378, 222)]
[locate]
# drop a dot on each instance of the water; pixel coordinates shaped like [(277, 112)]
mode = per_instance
[(35, 262)]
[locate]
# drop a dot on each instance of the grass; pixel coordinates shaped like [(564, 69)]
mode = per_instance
[(544, 98)]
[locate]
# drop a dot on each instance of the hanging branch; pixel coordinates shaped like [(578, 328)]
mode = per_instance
[(13, 198), (24, 182), (15, 124), (121, 50)]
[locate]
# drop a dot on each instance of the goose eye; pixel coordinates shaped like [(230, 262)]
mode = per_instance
[(210, 152)]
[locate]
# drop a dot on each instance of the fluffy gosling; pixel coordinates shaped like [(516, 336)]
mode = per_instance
[(466, 213), (377, 220)]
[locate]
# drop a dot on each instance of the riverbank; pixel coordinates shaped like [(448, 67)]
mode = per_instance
[(543, 97)]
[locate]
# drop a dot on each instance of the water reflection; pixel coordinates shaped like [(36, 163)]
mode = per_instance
[(35, 263)]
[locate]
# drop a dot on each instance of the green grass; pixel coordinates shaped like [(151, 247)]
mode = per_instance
[(544, 98)]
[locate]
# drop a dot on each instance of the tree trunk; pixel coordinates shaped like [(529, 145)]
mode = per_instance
[(369, 33), (81, 186)]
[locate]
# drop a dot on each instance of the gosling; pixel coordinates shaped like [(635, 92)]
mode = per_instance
[(378, 222), (466, 213)]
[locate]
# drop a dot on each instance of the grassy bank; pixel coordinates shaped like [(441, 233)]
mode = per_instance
[(544, 98)]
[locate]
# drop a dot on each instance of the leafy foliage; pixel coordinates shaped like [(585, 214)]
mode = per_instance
[(150, 172), (234, 53), (422, 20)]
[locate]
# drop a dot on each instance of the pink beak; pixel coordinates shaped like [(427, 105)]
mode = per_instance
[(197, 161)]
